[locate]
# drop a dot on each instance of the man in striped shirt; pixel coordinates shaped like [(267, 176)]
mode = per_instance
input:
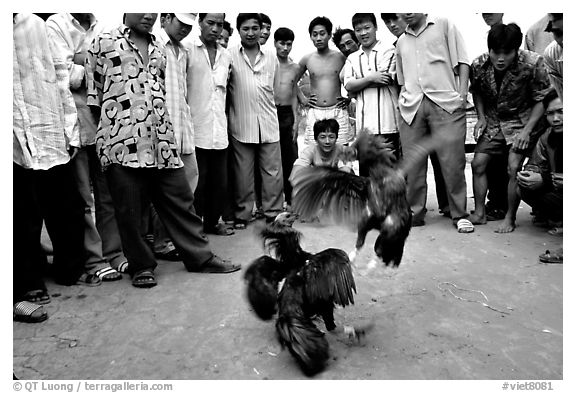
[(253, 122)]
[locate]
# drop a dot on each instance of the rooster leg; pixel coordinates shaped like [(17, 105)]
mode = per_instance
[(328, 317), (354, 332), (363, 229)]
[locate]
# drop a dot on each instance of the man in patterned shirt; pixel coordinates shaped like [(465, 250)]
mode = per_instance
[(508, 85), (137, 148)]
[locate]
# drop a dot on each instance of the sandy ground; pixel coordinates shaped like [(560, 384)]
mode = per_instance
[(430, 318)]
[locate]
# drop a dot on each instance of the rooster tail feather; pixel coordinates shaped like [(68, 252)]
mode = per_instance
[(304, 341)]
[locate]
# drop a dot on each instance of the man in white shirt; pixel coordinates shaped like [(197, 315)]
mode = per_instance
[(208, 72)]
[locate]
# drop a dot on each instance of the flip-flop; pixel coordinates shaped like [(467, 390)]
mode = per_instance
[(108, 274), (552, 256), (556, 231), (464, 226), (122, 267), (89, 280), (220, 230), (24, 312), (38, 296), (144, 279)]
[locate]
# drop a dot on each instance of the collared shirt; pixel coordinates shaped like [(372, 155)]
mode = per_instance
[(134, 128), (536, 38), (44, 115), (207, 95), (524, 84), (376, 107), (426, 65), (554, 61), (253, 117), (176, 93), (70, 38)]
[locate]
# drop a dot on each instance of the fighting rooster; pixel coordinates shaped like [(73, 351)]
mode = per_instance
[(374, 202), (314, 284)]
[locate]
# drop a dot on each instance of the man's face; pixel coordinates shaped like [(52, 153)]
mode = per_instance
[(413, 19), (327, 141), (265, 32), (249, 32), (140, 23), (224, 38), (396, 26), (211, 27), (554, 115), (366, 34), (347, 45), (283, 48), (175, 29), (557, 28), (320, 37), (492, 19), (502, 59)]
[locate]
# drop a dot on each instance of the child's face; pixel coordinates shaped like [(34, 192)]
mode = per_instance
[(327, 141)]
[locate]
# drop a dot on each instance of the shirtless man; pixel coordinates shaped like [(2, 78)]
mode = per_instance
[(286, 99), (324, 67)]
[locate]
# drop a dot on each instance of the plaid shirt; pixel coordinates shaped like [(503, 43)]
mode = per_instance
[(176, 93), (134, 128), (525, 83), (44, 115)]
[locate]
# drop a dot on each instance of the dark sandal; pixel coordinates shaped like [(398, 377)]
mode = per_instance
[(108, 274), (220, 230), (89, 280), (218, 265), (552, 257), (144, 279), (28, 312), (38, 296)]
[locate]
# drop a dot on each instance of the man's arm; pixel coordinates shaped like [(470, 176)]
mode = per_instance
[(464, 74), (74, 61), (523, 138)]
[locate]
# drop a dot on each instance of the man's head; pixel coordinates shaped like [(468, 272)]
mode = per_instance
[(556, 27), (265, 29), (320, 30), (492, 19), (177, 26), (394, 24), (553, 109), (225, 34), (326, 134), (414, 20), (283, 39), (503, 44), (248, 26), (140, 23), (346, 41), (365, 28), (210, 27)]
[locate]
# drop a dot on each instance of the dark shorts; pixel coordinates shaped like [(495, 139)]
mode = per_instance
[(491, 146)]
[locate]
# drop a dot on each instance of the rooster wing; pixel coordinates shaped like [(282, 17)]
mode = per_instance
[(262, 278), (341, 195), (328, 278)]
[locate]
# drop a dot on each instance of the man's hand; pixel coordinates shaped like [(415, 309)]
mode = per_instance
[(479, 128), (295, 130), (342, 102), (380, 78), (530, 180), (312, 99), (72, 151), (522, 140)]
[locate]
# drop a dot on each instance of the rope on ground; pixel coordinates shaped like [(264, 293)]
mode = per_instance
[(485, 304)]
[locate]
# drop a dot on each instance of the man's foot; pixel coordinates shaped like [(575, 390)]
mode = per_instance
[(220, 230), (507, 226), (171, 255), (464, 226), (218, 265), (38, 296), (477, 219), (144, 279), (29, 312), (495, 214)]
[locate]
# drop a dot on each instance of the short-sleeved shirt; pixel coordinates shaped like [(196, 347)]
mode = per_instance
[(207, 86), (376, 107), (176, 93), (426, 63), (253, 117), (525, 83), (134, 128), (554, 61)]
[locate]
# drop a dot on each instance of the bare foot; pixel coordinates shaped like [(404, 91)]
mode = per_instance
[(476, 219), (507, 226)]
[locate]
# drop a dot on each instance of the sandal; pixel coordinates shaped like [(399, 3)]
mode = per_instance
[(29, 312), (89, 280), (144, 279), (552, 256), (238, 224), (220, 230), (108, 274), (556, 231), (38, 296), (123, 267), (464, 226)]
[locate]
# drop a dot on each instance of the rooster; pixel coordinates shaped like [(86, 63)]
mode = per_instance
[(314, 284), (374, 202)]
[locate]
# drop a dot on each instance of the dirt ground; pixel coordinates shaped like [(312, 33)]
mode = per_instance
[(431, 320)]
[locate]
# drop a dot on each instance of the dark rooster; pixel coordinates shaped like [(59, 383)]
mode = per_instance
[(314, 284), (374, 202)]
